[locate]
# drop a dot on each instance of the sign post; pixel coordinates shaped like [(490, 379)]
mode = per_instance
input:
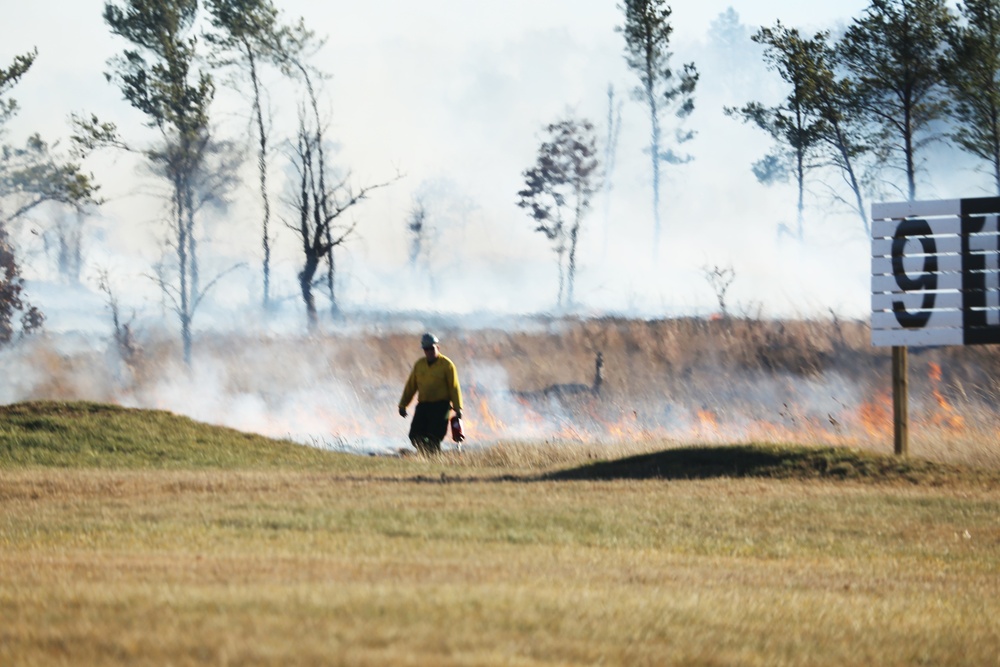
[(935, 281), (900, 401)]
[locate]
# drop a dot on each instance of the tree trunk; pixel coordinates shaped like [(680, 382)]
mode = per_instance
[(262, 168), (331, 271), (70, 251), (654, 149), (911, 170), (305, 284), (800, 175), (848, 165), (180, 201), (800, 172), (995, 127), (192, 245), (560, 300), (574, 234)]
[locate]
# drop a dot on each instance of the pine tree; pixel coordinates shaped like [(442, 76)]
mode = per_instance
[(647, 32), (248, 35), (159, 76), (794, 124), (972, 69), (893, 54)]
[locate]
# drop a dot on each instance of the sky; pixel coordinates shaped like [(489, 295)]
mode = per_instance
[(447, 100)]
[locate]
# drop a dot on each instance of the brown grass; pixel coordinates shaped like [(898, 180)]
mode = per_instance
[(260, 568)]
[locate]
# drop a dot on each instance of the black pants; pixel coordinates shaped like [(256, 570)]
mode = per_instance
[(429, 426)]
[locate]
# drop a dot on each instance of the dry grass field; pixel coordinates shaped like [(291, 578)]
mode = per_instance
[(169, 542), (297, 568), (662, 520)]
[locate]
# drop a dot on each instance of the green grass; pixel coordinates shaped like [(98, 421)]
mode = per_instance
[(94, 435)]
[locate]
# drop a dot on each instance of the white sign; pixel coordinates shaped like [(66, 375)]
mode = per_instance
[(936, 272)]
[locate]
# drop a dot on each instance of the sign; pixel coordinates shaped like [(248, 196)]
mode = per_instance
[(936, 272)]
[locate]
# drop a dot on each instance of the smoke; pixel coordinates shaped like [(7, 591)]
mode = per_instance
[(453, 98), (524, 380), (460, 103)]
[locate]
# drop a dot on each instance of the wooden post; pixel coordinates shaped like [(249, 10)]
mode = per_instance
[(900, 401)]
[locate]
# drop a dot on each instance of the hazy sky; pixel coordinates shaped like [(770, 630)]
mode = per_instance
[(453, 95)]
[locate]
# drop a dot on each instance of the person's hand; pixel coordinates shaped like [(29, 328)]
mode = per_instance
[(402, 412)]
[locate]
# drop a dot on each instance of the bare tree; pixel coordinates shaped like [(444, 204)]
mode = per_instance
[(423, 237), (417, 226), (126, 345), (319, 206), (720, 278)]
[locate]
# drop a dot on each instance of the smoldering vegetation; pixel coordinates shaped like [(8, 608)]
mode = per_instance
[(563, 381)]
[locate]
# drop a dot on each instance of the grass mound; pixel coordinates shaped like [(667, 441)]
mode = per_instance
[(775, 462), (95, 435)]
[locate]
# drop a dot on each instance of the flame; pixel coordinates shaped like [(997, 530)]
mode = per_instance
[(488, 420), (875, 415), (946, 417), (934, 372), (707, 421), (496, 415)]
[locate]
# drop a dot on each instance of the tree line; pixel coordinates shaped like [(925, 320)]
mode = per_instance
[(862, 112), (863, 109), (869, 105)]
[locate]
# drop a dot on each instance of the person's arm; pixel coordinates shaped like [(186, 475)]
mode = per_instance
[(455, 391), (409, 389)]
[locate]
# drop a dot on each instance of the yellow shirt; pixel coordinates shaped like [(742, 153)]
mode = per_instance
[(433, 382)]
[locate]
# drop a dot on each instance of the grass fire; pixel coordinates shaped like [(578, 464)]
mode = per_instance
[(647, 294), (537, 380)]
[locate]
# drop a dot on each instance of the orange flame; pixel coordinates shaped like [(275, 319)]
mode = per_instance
[(708, 421), (946, 417), (875, 415)]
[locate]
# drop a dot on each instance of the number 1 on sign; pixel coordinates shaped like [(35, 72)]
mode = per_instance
[(984, 251)]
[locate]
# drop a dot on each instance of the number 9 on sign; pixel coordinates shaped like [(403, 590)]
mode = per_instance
[(925, 282)]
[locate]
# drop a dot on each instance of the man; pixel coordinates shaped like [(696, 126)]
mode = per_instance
[(434, 380)]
